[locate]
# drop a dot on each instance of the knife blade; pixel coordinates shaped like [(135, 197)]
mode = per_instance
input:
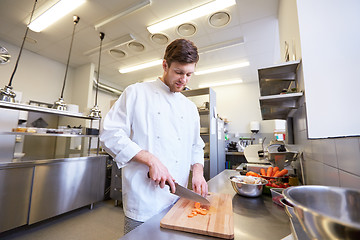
[(187, 193)]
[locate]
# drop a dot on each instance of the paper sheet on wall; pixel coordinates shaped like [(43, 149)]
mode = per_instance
[(213, 126)]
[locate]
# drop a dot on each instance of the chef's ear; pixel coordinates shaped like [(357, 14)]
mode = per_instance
[(165, 66)]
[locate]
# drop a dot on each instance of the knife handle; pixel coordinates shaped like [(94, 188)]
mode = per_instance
[(148, 174)]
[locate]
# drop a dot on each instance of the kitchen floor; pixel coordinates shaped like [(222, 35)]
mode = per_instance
[(104, 221)]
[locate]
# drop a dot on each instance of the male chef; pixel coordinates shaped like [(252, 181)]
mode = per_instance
[(153, 128)]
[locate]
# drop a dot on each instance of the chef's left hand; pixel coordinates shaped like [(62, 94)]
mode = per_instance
[(199, 184)]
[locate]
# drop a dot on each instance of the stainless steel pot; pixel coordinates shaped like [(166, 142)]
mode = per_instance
[(326, 212)]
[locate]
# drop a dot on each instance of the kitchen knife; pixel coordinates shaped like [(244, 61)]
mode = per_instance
[(187, 193)]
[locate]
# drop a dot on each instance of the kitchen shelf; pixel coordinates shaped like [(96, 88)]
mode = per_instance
[(196, 92), (274, 79), (204, 112), (24, 107), (279, 106), (47, 134)]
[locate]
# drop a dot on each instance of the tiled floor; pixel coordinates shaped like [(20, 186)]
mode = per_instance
[(104, 221)]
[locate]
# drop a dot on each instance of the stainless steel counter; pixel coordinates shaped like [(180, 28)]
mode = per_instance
[(254, 218)]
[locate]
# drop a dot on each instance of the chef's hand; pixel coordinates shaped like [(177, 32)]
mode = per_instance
[(199, 184), (157, 170)]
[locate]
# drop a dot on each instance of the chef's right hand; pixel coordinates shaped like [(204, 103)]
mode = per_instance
[(157, 170)]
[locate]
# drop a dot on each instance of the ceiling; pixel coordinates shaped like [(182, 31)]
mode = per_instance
[(254, 21)]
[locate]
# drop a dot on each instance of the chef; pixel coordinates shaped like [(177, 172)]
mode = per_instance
[(153, 128)]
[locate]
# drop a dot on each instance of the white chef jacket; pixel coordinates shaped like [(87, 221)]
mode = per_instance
[(148, 116)]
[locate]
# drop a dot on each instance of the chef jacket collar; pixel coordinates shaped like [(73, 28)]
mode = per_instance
[(165, 87)]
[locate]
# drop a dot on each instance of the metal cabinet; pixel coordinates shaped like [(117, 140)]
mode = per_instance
[(62, 186), (15, 190), (116, 184), (212, 130)]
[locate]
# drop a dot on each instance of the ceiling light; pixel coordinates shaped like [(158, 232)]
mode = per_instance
[(222, 45), (129, 10), (153, 79), (224, 68), (113, 44), (141, 66), (54, 13), (191, 14), (159, 38), (214, 84), (219, 19), (186, 29)]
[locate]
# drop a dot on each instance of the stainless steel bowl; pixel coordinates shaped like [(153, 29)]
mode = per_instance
[(326, 212), (245, 189)]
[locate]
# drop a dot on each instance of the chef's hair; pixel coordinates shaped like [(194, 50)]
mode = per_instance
[(182, 51)]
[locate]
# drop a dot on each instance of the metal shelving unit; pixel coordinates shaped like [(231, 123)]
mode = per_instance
[(35, 185), (273, 80), (215, 161)]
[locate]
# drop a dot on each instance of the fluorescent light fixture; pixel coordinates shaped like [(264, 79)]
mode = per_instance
[(224, 68), (222, 45), (141, 66), (113, 44), (214, 84), (191, 14), (127, 11), (54, 13), (153, 79)]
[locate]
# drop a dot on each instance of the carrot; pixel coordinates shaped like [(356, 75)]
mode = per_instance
[(262, 172), (274, 172), (275, 169), (197, 210), (269, 171), (281, 173), (251, 173), (203, 212)]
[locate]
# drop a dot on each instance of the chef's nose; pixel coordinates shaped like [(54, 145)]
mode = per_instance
[(183, 78)]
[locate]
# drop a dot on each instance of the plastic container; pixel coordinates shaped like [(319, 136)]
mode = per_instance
[(276, 195)]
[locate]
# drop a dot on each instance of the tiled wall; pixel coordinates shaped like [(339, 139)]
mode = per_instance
[(331, 162)]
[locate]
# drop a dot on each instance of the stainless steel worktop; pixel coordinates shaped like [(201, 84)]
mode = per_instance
[(254, 218)]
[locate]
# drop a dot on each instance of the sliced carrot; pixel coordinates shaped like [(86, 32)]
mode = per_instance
[(203, 212), (190, 215), (197, 205)]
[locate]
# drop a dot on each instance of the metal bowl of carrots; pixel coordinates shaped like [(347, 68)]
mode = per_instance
[(248, 186)]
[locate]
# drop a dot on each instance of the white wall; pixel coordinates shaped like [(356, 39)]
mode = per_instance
[(37, 77), (239, 103), (289, 29), (330, 37)]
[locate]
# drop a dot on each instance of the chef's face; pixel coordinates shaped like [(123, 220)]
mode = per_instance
[(177, 75)]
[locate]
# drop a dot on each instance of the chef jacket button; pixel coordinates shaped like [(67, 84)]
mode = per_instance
[(182, 117), (158, 112), (177, 161), (158, 137), (179, 139)]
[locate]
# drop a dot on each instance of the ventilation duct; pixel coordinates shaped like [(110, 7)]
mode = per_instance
[(107, 88)]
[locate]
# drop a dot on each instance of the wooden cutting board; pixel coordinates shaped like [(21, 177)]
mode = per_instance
[(218, 222)]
